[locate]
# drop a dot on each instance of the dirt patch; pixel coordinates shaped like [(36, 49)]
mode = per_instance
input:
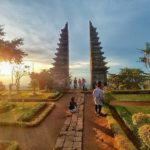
[(97, 134)]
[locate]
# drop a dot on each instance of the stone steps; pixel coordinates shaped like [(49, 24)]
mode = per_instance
[(71, 134)]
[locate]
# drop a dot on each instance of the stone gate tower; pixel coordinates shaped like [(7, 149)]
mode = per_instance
[(98, 66), (60, 71)]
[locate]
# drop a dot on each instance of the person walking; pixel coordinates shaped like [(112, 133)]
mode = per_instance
[(98, 98)]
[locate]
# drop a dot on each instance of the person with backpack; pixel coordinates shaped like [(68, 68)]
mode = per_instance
[(98, 98)]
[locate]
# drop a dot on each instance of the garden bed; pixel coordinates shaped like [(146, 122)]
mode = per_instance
[(121, 139), (126, 113), (26, 114)]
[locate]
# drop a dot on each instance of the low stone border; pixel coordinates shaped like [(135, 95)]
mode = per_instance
[(33, 123), (71, 134)]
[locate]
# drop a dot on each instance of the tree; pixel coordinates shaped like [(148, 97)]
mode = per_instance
[(128, 78), (19, 71), (44, 79), (10, 50), (146, 56)]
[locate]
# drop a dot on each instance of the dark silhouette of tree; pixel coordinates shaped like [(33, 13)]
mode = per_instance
[(10, 50), (44, 79)]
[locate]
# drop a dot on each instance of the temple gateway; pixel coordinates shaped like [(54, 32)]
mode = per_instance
[(97, 60), (60, 71)]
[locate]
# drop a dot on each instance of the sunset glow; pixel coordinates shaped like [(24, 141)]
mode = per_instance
[(5, 68)]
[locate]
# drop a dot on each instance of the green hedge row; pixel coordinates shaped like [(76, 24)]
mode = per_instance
[(131, 91)]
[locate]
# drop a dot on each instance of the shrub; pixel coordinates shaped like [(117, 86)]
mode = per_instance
[(144, 133), (140, 119), (109, 97)]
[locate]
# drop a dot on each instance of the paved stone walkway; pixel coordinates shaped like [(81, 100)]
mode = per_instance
[(71, 134)]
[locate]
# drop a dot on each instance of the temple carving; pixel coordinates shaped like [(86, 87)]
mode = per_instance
[(98, 66), (60, 71)]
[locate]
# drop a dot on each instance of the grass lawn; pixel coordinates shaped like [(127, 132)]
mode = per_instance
[(131, 97), (137, 109), (27, 113), (24, 94)]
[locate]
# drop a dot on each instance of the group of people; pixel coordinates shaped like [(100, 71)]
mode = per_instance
[(97, 97), (79, 83)]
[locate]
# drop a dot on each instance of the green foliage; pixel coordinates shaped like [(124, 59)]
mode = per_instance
[(109, 97), (128, 78), (131, 97), (131, 91), (29, 114), (127, 117)]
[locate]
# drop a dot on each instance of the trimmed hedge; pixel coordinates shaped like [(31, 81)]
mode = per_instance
[(131, 91)]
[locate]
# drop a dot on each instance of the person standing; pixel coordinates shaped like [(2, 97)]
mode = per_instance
[(80, 83), (83, 83), (98, 98), (75, 83)]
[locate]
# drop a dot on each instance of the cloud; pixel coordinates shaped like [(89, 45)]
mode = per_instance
[(79, 65)]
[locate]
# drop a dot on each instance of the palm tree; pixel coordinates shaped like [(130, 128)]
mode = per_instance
[(146, 56)]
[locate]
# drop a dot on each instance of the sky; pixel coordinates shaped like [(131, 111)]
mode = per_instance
[(123, 27)]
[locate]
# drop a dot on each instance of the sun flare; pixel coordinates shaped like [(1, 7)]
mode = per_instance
[(5, 68)]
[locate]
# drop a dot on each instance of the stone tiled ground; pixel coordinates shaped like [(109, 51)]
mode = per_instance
[(71, 134)]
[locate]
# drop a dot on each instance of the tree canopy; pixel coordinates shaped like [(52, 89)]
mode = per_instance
[(10, 50), (128, 78)]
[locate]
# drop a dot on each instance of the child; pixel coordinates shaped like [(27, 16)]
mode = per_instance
[(72, 105)]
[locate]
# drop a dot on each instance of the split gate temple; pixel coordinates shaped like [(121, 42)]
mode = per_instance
[(97, 64), (60, 71)]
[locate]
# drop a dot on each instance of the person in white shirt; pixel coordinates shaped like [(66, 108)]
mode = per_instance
[(98, 98)]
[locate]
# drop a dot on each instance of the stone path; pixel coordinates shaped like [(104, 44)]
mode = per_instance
[(71, 134)]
